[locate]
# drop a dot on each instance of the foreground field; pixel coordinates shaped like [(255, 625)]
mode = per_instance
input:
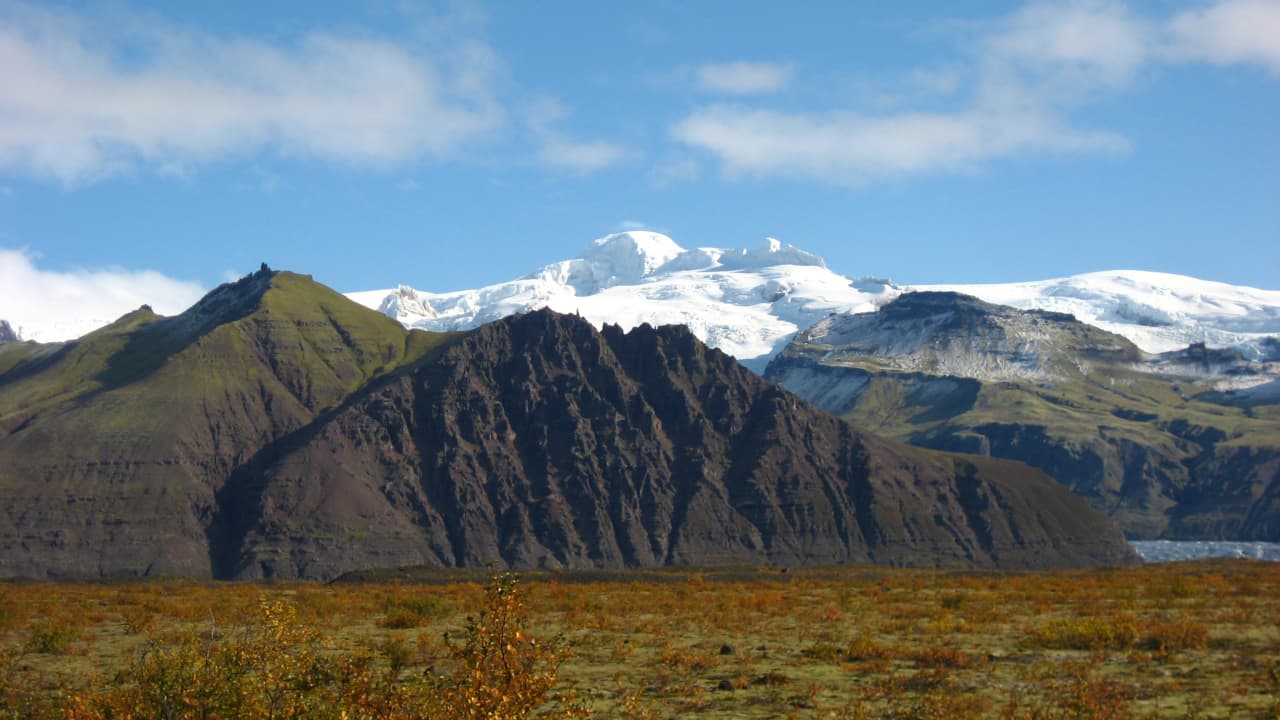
[(1185, 640)]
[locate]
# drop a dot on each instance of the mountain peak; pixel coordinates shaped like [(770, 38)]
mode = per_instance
[(629, 257), (746, 302), (314, 436), (651, 249), (750, 302)]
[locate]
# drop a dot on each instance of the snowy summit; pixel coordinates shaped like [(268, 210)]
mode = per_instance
[(750, 302)]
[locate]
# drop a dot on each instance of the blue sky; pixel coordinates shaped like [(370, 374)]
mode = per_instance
[(163, 147)]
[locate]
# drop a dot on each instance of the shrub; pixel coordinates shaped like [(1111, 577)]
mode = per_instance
[(500, 670), (1170, 636), (277, 668), (52, 636), (412, 612), (1086, 633), (942, 657)]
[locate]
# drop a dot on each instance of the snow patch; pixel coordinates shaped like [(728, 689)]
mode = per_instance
[(406, 305)]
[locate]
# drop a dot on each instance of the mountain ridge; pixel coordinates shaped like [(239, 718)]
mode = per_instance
[(750, 303), (1181, 445), (278, 429)]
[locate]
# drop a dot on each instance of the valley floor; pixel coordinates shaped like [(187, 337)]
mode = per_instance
[(1179, 640)]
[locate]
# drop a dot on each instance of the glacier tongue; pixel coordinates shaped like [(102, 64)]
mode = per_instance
[(750, 302)]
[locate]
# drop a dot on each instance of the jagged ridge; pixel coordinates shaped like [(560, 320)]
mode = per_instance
[(280, 430)]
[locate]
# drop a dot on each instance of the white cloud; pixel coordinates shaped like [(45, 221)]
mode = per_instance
[(849, 148), (78, 103), (744, 78), (1101, 40), (48, 305), (1026, 76), (1234, 31)]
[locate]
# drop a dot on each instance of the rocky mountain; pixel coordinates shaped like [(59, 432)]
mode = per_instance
[(277, 429), (1182, 444), (750, 303)]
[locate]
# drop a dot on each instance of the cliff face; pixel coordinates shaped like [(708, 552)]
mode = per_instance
[(1157, 442), (284, 432)]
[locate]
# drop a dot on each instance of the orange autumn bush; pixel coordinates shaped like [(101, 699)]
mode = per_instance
[(276, 668)]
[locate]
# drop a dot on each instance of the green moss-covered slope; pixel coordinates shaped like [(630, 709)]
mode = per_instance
[(114, 447)]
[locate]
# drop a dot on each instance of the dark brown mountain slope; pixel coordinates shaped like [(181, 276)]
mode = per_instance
[(538, 441), (277, 429)]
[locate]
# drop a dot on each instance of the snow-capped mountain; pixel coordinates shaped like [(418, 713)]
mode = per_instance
[(1159, 312), (749, 303)]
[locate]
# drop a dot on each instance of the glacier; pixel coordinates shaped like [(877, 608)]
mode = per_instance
[(751, 302), (746, 302), (1159, 312), (1153, 551)]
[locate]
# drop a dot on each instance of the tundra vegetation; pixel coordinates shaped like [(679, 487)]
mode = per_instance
[(1184, 640)]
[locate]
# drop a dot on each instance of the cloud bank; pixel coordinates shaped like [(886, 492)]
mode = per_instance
[(1016, 94), (1237, 31), (48, 305), (78, 103), (850, 148)]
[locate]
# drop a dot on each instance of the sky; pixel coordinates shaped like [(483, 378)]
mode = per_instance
[(149, 151)]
